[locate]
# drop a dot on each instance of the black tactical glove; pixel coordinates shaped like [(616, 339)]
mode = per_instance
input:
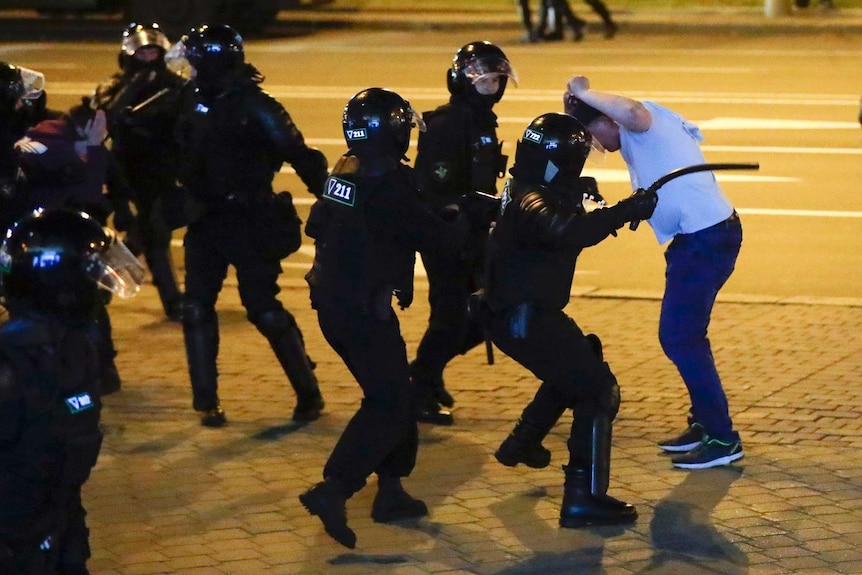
[(404, 297), (639, 206), (481, 209)]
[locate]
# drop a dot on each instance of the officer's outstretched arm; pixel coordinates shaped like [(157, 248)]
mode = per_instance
[(310, 163)]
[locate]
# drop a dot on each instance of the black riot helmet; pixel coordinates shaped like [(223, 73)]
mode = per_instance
[(18, 83), (377, 122), (137, 36), (56, 260), (552, 152), (472, 63), (214, 51)]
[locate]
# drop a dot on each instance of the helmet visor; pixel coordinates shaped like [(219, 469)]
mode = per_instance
[(416, 120), (117, 270), (33, 83), (489, 67), (144, 37)]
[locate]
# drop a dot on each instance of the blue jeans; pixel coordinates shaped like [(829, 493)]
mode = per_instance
[(698, 265)]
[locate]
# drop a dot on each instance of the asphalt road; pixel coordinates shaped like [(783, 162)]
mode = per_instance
[(789, 102)]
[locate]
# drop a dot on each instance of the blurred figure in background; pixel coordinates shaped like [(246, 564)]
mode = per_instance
[(142, 102)]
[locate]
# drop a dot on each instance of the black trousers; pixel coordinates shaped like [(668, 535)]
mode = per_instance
[(552, 346), (221, 240), (382, 436), (450, 332)]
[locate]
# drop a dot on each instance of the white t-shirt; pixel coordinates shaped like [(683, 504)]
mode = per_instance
[(686, 204)]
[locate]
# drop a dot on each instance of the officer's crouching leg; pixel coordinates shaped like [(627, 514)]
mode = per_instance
[(280, 329), (200, 332), (585, 499), (524, 444)]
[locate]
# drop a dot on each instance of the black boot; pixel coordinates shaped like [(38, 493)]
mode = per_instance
[(582, 508), (585, 499), (201, 336), (327, 500), (392, 503), (524, 445), (162, 270), (429, 408), (280, 329)]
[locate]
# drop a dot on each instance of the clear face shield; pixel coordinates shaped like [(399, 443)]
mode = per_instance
[(177, 61), (141, 37), (597, 152), (33, 83), (116, 269), (484, 69), (416, 120)]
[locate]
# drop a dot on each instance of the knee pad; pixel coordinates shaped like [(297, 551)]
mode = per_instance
[(273, 323), (195, 313), (609, 394)]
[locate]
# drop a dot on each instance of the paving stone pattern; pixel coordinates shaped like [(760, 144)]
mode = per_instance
[(169, 496)]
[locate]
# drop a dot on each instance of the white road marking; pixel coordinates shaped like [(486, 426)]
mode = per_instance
[(343, 93)]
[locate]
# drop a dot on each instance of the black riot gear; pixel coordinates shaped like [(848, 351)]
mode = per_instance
[(552, 151), (233, 138), (11, 87), (533, 251), (475, 61), (214, 50), (56, 260), (142, 102), (367, 226), (51, 386), (377, 122), (17, 82)]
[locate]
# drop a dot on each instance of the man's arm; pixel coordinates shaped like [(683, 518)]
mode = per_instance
[(628, 113)]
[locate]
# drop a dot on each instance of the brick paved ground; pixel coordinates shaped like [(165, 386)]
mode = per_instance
[(169, 496)]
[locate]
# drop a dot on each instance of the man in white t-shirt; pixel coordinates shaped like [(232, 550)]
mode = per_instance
[(705, 236)]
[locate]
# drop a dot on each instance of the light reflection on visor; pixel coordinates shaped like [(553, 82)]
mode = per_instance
[(485, 68)]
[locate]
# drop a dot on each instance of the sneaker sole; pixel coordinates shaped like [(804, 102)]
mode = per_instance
[(679, 448), (714, 463)]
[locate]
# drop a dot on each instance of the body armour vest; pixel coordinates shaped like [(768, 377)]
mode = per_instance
[(355, 260), (524, 263), (49, 423)]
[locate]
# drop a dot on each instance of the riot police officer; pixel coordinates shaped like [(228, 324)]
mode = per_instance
[(459, 153), (533, 251), (367, 227), (234, 137), (20, 89), (142, 102), (54, 263)]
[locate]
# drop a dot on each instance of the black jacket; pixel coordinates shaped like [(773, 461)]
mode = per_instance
[(536, 243), (458, 153), (234, 143), (49, 422), (368, 226)]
